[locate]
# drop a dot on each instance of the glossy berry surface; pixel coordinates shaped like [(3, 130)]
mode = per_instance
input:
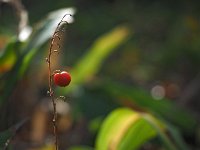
[(62, 79)]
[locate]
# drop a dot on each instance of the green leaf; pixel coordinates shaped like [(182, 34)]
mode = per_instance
[(164, 108), (176, 137), (10, 133), (91, 62), (8, 55), (125, 129), (43, 32), (137, 135), (95, 124), (39, 37), (4, 136), (114, 127)]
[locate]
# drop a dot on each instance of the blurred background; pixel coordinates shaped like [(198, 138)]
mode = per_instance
[(142, 56)]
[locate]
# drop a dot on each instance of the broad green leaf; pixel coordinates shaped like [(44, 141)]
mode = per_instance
[(137, 135), (125, 129), (164, 108), (114, 128), (91, 62)]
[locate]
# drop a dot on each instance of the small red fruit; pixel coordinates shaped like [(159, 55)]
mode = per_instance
[(62, 79)]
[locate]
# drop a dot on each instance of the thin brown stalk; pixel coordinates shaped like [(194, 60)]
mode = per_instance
[(50, 73)]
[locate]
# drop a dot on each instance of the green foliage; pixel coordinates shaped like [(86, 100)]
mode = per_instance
[(128, 129), (130, 61), (4, 136), (22, 57), (8, 55), (7, 135), (119, 123), (92, 61), (164, 108)]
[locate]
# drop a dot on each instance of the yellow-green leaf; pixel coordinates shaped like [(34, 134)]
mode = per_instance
[(92, 61), (125, 129)]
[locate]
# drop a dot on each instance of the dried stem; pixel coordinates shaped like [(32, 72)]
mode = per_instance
[(51, 92)]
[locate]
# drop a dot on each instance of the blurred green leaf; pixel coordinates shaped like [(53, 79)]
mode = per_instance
[(10, 133), (176, 137), (95, 124), (91, 62), (114, 127), (164, 108), (8, 55), (4, 136), (39, 37), (140, 132), (128, 129)]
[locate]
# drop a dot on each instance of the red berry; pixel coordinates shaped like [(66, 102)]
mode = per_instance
[(62, 79)]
